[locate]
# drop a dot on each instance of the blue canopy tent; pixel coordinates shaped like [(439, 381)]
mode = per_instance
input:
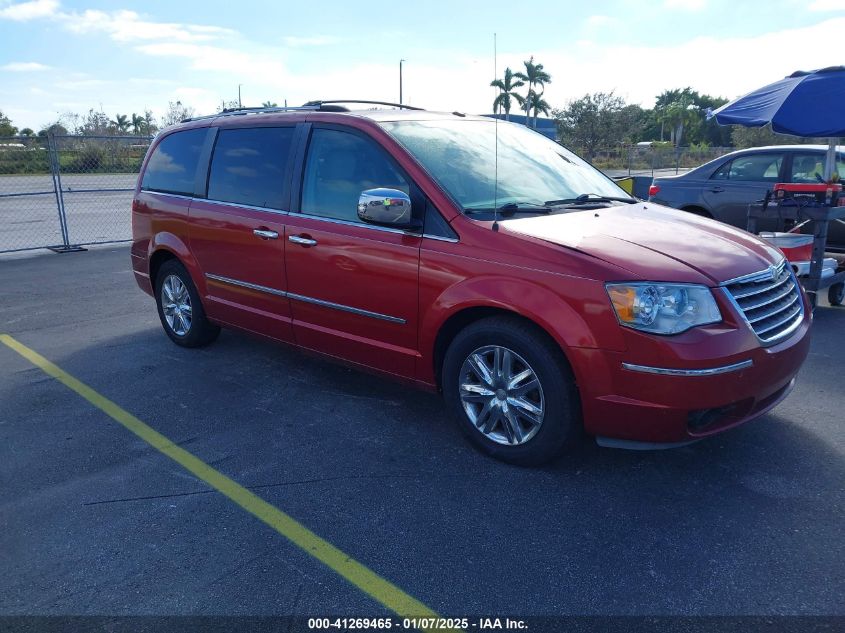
[(803, 104)]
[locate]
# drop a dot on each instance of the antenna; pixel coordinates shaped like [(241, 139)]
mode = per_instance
[(495, 151)]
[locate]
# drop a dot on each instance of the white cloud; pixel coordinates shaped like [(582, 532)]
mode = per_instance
[(24, 11), (685, 5), (24, 67), (827, 5), (127, 26)]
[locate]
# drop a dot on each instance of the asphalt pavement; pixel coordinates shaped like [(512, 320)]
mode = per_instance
[(94, 521)]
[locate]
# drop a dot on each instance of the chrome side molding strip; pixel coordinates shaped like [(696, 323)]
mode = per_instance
[(711, 371), (345, 308), (246, 284), (305, 299)]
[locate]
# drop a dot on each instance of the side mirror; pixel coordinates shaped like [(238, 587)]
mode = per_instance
[(388, 207)]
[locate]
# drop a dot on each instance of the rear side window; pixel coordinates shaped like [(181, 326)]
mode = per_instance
[(248, 166), (173, 165), (809, 166)]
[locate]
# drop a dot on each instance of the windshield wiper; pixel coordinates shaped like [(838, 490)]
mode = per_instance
[(532, 207), (588, 198), (509, 208)]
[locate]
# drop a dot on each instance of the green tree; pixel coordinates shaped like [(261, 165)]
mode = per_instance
[(121, 123), (536, 104), (27, 131), (137, 123), (149, 127), (743, 137), (6, 127), (176, 112), (536, 76), (94, 123), (592, 122), (54, 129), (507, 92), (269, 104)]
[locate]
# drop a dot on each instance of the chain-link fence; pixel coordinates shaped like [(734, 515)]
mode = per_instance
[(64, 191), (639, 160)]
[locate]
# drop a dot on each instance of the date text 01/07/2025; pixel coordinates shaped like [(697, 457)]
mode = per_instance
[(423, 624)]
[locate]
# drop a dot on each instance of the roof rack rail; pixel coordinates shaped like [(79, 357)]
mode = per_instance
[(319, 103), (256, 110)]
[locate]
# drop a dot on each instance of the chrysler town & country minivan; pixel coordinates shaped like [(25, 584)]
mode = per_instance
[(470, 256)]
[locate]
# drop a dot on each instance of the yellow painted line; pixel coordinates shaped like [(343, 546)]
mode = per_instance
[(363, 578)]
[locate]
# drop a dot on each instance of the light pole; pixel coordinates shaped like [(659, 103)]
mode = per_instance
[(400, 80), (240, 105)]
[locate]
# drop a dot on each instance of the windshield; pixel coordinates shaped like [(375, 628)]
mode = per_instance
[(532, 170)]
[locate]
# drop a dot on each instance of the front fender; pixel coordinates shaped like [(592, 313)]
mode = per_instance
[(563, 314)]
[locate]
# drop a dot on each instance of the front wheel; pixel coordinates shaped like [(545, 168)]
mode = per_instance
[(180, 309), (511, 391)]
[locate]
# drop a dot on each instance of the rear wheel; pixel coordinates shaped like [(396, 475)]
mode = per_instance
[(180, 309), (511, 391)]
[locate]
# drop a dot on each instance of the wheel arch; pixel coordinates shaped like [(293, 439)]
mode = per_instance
[(165, 246), (466, 316)]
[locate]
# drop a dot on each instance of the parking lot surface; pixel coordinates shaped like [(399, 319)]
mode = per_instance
[(93, 520)]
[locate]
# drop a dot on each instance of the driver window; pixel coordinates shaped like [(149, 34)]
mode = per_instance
[(341, 165)]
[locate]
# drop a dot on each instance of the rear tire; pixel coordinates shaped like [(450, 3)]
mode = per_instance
[(511, 391), (180, 309)]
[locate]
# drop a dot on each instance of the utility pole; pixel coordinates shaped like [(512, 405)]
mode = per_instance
[(400, 80), (240, 105)]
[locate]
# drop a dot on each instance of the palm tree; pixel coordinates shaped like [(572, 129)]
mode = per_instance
[(536, 104), (269, 104), (507, 91), (535, 75), (121, 123), (137, 124)]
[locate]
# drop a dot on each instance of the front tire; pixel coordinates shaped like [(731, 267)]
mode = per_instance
[(511, 391), (180, 309)]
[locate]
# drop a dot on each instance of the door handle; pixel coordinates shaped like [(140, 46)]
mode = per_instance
[(304, 241), (265, 234), (716, 190)]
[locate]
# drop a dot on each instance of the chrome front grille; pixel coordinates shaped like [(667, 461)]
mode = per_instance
[(770, 301)]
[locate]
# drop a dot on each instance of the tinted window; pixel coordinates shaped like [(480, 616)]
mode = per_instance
[(755, 168), (339, 167), (173, 164), (809, 166), (248, 166)]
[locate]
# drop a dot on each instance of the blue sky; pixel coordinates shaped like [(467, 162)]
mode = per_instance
[(61, 55)]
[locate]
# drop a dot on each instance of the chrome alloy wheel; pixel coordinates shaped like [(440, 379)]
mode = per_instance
[(501, 395), (176, 305)]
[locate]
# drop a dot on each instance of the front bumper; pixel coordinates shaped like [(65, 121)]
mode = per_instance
[(688, 388)]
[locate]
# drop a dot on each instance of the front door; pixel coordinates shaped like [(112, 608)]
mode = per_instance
[(741, 182), (237, 233), (352, 286)]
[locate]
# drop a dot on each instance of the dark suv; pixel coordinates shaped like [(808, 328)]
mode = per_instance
[(723, 188), (471, 256)]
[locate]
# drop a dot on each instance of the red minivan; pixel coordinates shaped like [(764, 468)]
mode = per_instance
[(471, 256)]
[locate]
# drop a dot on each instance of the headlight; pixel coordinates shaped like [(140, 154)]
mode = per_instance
[(663, 308)]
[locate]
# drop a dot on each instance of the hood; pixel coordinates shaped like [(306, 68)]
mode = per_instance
[(654, 242)]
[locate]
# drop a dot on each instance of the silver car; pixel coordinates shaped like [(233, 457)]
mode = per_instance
[(723, 188)]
